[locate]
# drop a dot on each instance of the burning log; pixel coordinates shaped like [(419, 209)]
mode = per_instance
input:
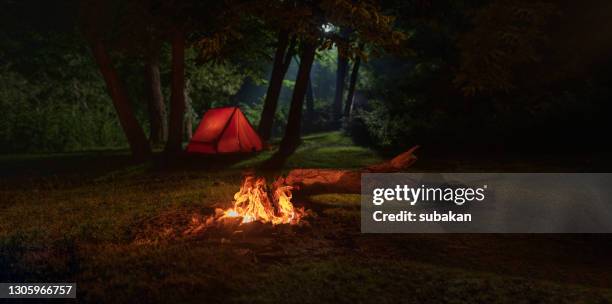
[(256, 207), (345, 181)]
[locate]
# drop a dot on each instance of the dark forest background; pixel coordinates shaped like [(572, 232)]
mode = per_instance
[(488, 75)]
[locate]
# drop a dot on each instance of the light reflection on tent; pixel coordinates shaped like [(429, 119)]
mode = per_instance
[(224, 130)]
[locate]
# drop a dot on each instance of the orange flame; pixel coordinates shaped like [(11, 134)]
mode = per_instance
[(252, 203)]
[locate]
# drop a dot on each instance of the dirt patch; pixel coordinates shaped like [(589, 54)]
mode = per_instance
[(320, 235)]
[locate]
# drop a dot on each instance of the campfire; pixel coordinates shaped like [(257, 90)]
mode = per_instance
[(255, 202)]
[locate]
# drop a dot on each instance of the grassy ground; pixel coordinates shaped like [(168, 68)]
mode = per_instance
[(115, 229)]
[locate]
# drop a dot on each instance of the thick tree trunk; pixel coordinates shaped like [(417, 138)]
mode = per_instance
[(282, 59), (177, 100), (155, 101), (340, 81), (294, 121), (133, 131), (351, 91)]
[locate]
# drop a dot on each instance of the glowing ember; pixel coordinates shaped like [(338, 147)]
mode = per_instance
[(254, 203)]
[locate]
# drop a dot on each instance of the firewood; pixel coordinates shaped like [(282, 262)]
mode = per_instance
[(345, 181), (397, 164)]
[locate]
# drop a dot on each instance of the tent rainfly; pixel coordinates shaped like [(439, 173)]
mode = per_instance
[(224, 130)]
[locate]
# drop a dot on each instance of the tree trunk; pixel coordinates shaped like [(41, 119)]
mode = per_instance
[(341, 72), (351, 91), (309, 101), (292, 133), (340, 81), (189, 127), (155, 101), (282, 60), (188, 112), (133, 131), (177, 100)]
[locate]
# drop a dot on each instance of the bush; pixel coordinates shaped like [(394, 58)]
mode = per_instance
[(321, 120), (55, 115)]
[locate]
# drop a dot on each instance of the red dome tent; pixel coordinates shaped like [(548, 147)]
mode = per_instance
[(224, 130)]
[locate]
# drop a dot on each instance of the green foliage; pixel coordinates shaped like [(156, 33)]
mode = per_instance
[(508, 37), (492, 74), (500, 69), (323, 76), (322, 118), (543, 120), (289, 84), (212, 84), (55, 101), (368, 23), (408, 122)]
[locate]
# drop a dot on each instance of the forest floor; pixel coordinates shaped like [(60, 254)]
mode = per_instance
[(115, 228)]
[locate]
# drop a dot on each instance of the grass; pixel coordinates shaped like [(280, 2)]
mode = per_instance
[(322, 150), (114, 228), (408, 282)]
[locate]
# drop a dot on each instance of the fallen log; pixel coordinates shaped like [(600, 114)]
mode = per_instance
[(345, 181)]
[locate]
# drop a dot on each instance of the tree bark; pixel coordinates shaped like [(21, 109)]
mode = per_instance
[(340, 81), (188, 112), (282, 60), (133, 131), (351, 91), (341, 72), (309, 101), (155, 101), (294, 121), (177, 100)]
